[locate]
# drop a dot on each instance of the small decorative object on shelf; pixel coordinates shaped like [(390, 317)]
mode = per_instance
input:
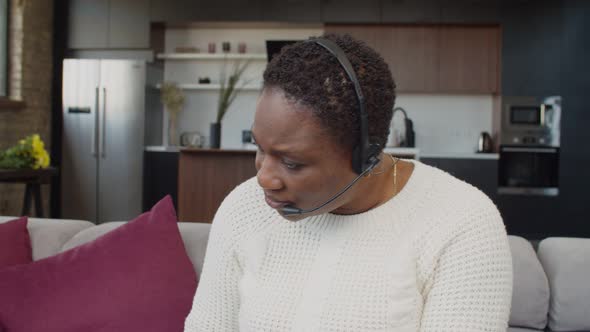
[(173, 99), (192, 139), (242, 48), (211, 48), (228, 90), (226, 47), (28, 153), (204, 80)]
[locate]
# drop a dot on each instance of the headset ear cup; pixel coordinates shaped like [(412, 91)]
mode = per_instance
[(357, 159), (361, 163), (373, 155)]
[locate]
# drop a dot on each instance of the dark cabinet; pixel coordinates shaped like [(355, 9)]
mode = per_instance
[(532, 48), (165, 11), (229, 10), (129, 24), (88, 24), (185, 11), (160, 177), (481, 173), (410, 11), (470, 11), (351, 11), (292, 11), (108, 24)]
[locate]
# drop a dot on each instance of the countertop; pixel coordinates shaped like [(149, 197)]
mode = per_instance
[(159, 148), (456, 155), (398, 151)]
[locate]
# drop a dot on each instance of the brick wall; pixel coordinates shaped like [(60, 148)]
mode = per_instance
[(30, 58)]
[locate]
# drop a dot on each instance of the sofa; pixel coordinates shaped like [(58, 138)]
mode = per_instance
[(551, 278)]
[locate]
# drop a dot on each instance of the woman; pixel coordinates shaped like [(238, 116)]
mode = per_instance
[(327, 238)]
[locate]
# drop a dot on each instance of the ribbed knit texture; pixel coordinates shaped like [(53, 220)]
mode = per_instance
[(435, 257)]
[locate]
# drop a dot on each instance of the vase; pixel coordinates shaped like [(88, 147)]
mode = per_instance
[(215, 135), (172, 136)]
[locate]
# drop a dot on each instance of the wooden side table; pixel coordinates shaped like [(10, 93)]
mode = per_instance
[(33, 179)]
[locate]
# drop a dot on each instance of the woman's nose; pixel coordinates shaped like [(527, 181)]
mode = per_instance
[(267, 176)]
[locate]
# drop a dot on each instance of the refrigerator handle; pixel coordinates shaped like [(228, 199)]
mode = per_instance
[(95, 131), (104, 122)]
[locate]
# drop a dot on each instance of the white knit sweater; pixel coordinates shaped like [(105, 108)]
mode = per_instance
[(433, 258)]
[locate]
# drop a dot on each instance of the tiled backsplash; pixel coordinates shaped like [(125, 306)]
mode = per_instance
[(446, 123)]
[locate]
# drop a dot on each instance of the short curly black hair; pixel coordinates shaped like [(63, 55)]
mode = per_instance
[(311, 76)]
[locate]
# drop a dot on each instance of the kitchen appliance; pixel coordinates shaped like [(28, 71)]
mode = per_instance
[(530, 143), (531, 120), (408, 139), (103, 139), (191, 139), (485, 143)]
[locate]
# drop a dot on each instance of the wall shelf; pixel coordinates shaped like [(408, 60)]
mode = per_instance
[(212, 87), (212, 56)]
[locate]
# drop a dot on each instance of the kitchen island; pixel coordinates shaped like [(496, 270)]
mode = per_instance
[(206, 176)]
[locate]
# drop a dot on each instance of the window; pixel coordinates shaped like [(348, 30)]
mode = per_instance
[(3, 47)]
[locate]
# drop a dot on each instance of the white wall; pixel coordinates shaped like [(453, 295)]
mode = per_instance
[(443, 123)]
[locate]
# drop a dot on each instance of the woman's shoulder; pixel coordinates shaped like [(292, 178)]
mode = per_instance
[(448, 206), (451, 193), (452, 212)]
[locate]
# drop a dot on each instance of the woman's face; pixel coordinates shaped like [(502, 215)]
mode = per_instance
[(298, 163)]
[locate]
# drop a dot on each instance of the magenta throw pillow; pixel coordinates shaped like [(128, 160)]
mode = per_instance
[(137, 277), (15, 243)]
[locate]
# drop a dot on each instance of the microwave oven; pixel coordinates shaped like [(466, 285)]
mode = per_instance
[(531, 121)]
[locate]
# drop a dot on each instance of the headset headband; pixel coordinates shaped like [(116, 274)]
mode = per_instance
[(364, 155)]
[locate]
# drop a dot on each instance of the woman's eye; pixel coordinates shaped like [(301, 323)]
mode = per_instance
[(290, 165)]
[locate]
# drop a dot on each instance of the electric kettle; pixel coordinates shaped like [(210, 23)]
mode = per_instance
[(485, 144), (409, 139)]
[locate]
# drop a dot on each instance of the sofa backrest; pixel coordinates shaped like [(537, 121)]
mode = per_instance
[(49, 235), (194, 236), (567, 264), (530, 291), (52, 236)]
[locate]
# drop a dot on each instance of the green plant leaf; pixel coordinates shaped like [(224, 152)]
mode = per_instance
[(229, 89)]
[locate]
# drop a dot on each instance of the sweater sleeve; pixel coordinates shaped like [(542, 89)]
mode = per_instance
[(471, 286), (216, 302)]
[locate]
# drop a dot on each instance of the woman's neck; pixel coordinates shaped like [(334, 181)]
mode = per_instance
[(378, 187)]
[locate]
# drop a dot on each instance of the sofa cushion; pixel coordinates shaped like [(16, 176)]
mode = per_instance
[(530, 291), (15, 245), (135, 278), (49, 235), (567, 264), (522, 329), (194, 236)]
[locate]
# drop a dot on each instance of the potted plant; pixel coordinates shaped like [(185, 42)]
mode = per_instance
[(173, 99), (228, 91), (29, 153)]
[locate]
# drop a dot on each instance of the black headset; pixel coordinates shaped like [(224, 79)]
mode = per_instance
[(365, 156)]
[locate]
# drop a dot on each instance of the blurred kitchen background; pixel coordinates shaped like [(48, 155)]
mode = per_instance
[(493, 91)]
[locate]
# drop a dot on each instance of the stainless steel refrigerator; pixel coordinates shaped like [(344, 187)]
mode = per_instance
[(103, 139)]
